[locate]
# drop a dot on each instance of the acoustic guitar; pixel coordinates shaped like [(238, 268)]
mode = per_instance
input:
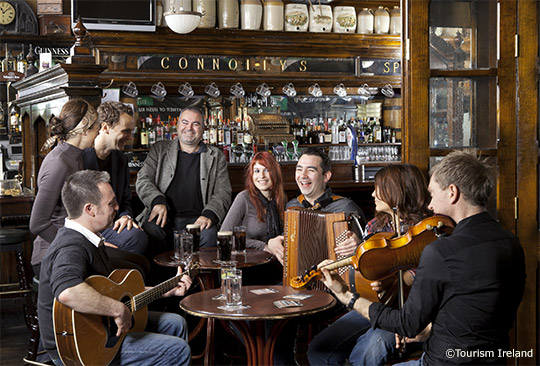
[(89, 339)]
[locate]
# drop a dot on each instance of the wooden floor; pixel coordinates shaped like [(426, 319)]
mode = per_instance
[(13, 333)]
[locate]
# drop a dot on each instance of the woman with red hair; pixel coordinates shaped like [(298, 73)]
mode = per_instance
[(261, 205)]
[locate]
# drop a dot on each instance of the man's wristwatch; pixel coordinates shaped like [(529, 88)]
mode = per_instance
[(351, 303)]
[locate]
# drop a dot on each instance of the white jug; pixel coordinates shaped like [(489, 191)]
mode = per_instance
[(344, 19), (273, 15), (251, 12), (382, 21), (208, 10), (320, 18), (365, 21), (296, 18), (229, 13), (395, 21)]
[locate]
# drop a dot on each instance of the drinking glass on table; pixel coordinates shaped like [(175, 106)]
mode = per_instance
[(233, 289), (195, 230), (224, 245), (183, 247), (240, 239)]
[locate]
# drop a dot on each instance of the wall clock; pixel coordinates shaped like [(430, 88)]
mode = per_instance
[(17, 17)]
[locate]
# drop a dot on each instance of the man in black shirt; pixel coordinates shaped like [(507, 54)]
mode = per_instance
[(76, 253), (468, 285), (116, 127), (183, 182)]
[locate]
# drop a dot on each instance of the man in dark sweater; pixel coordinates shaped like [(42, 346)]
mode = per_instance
[(468, 285), (116, 126), (184, 181), (76, 253)]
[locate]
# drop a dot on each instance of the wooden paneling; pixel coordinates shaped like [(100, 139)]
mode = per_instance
[(527, 174)]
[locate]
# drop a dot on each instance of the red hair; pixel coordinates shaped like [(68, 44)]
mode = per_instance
[(277, 192)]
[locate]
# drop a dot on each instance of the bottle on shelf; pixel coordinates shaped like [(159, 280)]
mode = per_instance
[(227, 134), (143, 134), (212, 137), (151, 130), (159, 129), (342, 132), (377, 131), (9, 63), (21, 62)]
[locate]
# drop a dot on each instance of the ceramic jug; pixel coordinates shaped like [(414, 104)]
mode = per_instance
[(296, 18), (159, 14), (273, 15), (365, 21), (344, 19), (208, 10), (251, 12), (395, 20), (320, 18), (382, 21), (228, 13)]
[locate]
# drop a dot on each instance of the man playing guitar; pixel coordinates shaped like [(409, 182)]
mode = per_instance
[(76, 253)]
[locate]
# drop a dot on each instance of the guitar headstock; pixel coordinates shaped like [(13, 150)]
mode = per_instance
[(193, 269)]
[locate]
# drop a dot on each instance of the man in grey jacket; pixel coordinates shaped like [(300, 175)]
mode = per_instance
[(183, 182)]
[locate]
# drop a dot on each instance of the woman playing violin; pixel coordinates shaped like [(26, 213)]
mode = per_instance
[(400, 191)]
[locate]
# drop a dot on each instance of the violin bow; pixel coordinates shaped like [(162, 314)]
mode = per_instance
[(401, 292)]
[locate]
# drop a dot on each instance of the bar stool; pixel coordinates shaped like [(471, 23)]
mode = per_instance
[(12, 240)]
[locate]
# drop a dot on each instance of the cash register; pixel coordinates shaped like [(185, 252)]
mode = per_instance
[(12, 154)]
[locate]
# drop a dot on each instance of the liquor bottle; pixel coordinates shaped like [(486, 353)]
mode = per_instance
[(327, 133), (393, 136), (21, 62), (342, 132), (335, 132), (248, 137), (151, 131), (234, 134), (9, 63), (167, 129), (227, 134), (220, 132), (377, 131), (159, 129), (369, 131), (213, 132), (240, 134), (360, 131), (174, 130), (144, 134)]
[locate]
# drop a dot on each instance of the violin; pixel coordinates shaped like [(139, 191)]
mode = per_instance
[(382, 254)]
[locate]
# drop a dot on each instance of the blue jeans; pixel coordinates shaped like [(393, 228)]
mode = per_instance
[(333, 345), (351, 337), (164, 342), (134, 240)]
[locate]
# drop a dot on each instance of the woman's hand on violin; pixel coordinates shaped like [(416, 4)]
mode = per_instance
[(348, 246), (332, 280), (275, 246)]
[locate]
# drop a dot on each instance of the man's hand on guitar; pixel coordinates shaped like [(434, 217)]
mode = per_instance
[(348, 246), (123, 319), (275, 246), (183, 285)]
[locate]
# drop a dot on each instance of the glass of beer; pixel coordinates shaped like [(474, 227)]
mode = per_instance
[(224, 245), (240, 239), (195, 230)]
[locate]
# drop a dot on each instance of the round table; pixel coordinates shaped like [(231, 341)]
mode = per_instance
[(208, 266), (259, 350)]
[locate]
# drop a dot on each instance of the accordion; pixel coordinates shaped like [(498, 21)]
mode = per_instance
[(311, 237)]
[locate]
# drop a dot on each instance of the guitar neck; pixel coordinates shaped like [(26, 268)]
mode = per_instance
[(144, 298)]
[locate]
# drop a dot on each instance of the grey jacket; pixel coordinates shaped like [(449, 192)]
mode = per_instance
[(158, 170)]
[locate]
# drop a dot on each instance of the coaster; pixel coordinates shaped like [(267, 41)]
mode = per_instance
[(233, 308)]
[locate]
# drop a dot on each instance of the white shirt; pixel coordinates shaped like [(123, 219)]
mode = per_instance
[(97, 240)]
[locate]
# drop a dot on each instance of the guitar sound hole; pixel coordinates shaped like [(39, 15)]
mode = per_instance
[(111, 328)]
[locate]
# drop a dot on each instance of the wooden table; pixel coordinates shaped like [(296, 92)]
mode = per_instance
[(260, 351), (207, 258)]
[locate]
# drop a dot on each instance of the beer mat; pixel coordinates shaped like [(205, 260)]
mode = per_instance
[(219, 297), (287, 303), (233, 308), (217, 261), (298, 296), (262, 291)]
